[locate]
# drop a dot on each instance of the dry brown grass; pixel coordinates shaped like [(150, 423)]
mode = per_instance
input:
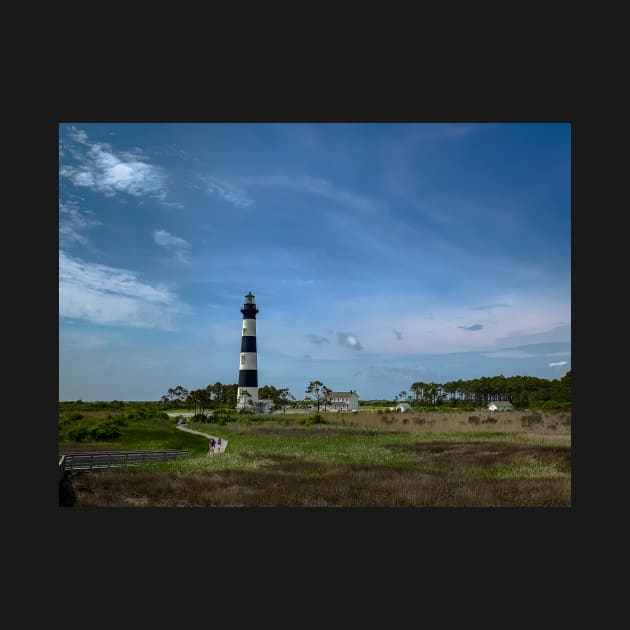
[(554, 424), (447, 474)]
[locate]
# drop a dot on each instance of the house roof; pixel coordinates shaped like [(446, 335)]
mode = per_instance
[(500, 403), (350, 393), (403, 404)]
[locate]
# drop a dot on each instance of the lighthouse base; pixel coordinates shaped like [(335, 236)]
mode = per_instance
[(246, 398)]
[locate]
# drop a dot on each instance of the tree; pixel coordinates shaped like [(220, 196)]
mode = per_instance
[(319, 391), (326, 397), (175, 395), (279, 396)]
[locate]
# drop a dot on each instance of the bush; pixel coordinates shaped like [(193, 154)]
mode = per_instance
[(490, 420), (419, 420), (105, 431), (473, 419), (79, 434), (75, 416), (223, 416), (316, 419)]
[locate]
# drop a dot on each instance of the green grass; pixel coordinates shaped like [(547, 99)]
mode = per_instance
[(140, 435), (277, 463), (254, 446)]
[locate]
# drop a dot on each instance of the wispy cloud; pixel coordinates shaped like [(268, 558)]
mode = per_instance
[(558, 363), (111, 296), (172, 204), (176, 246), (228, 191), (312, 185), (509, 354), (78, 135), (348, 340), (489, 307), (316, 339), (397, 334), (73, 221), (103, 170), (473, 327)]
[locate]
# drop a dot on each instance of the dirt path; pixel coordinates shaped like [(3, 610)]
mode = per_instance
[(220, 445)]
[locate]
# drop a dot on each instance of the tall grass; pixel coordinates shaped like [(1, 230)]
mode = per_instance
[(275, 461)]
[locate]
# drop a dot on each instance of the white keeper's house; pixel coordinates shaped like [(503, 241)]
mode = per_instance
[(344, 401), (500, 405)]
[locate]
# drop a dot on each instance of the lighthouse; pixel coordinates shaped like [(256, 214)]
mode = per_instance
[(248, 371)]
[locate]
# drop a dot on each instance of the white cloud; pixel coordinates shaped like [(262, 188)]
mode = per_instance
[(429, 328), (111, 296), (177, 246), (105, 171), (78, 135), (72, 222), (558, 363), (509, 354), (349, 341)]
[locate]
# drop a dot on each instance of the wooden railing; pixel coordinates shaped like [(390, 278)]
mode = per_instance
[(109, 459)]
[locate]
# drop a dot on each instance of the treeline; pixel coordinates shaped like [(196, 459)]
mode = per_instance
[(521, 391), (210, 397)]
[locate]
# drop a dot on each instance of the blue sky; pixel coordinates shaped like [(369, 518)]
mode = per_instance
[(379, 254)]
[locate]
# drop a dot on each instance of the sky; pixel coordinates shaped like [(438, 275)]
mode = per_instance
[(380, 254)]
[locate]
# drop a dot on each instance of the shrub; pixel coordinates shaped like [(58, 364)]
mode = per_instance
[(223, 416), (473, 419), (419, 420), (75, 416), (105, 431), (405, 420), (79, 434), (316, 419), (490, 420)]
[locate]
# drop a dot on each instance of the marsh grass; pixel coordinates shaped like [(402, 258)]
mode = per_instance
[(269, 464)]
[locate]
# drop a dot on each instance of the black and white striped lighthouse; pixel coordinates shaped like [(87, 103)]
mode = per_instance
[(248, 372)]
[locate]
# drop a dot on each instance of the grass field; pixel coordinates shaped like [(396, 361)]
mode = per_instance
[(354, 460)]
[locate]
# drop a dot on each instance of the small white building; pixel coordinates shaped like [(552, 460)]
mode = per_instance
[(403, 406), (500, 405), (343, 401), (264, 405)]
